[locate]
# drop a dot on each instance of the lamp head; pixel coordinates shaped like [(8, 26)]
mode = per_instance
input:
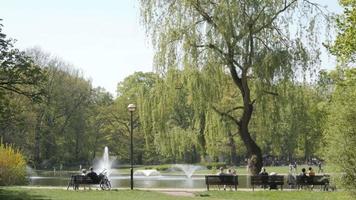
[(131, 107)]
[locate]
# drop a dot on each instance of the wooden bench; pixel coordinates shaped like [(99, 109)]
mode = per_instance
[(224, 180), (77, 180), (322, 180), (271, 181)]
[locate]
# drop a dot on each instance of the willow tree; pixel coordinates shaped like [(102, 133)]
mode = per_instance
[(254, 41)]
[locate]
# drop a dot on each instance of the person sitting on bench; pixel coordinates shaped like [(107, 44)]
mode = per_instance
[(264, 177), (93, 176)]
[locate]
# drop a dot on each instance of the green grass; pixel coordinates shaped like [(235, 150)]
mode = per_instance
[(13, 193), (275, 195), (60, 194)]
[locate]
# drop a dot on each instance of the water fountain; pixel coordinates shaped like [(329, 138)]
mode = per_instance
[(187, 169), (104, 164), (147, 172)]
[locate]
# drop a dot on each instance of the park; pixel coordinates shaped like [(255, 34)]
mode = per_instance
[(180, 99)]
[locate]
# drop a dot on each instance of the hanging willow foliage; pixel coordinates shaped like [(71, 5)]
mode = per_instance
[(258, 43)]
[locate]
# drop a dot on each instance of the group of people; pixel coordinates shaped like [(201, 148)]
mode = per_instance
[(92, 174), (229, 172), (309, 173)]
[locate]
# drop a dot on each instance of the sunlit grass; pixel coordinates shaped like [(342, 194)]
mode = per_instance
[(60, 194)]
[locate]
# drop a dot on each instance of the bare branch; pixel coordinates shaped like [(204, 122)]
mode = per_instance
[(265, 92), (286, 6), (271, 93), (235, 108), (317, 6), (224, 114), (263, 42)]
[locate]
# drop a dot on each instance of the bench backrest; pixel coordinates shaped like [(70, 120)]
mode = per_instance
[(81, 179), (259, 180), (264, 179), (313, 180), (221, 180), (277, 179)]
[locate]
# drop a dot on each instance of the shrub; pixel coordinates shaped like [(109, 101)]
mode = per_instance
[(12, 166), (214, 165)]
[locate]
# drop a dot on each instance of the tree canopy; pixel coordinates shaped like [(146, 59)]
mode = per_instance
[(258, 43)]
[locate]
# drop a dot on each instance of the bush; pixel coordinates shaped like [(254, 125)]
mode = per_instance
[(214, 165), (12, 166), (163, 167)]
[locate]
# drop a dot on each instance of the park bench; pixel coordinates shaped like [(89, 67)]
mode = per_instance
[(77, 180), (221, 180), (267, 181), (322, 180)]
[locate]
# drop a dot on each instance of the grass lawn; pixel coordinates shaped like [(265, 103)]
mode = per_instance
[(14, 193)]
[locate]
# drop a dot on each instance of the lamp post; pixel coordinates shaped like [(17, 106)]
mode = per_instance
[(131, 108)]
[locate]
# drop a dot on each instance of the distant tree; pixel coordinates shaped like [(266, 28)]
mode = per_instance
[(18, 73)]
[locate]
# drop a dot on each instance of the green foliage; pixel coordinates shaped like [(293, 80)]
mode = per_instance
[(18, 73), (12, 165), (249, 42), (341, 129), (214, 165), (292, 122), (345, 44)]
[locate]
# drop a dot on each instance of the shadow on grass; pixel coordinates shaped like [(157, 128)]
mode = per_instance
[(19, 195)]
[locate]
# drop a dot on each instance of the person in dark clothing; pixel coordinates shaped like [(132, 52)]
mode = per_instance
[(263, 172), (264, 178), (94, 177), (303, 173)]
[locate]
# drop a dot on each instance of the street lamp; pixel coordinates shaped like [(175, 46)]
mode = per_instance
[(131, 108)]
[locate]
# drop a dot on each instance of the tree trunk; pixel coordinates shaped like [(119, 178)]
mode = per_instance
[(233, 154), (201, 138), (253, 150), (36, 156)]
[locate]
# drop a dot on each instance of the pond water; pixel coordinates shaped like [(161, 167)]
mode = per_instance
[(123, 181)]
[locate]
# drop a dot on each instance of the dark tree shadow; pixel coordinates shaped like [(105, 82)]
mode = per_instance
[(19, 195)]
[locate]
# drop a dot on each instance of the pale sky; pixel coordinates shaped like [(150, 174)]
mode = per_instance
[(103, 38)]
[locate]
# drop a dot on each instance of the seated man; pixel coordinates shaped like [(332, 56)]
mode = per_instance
[(303, 173), (304, 177), (311, 172), (264, 177), (263, 172), (93, 176)]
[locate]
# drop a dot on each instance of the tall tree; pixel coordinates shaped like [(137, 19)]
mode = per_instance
[(345, 44), (341, 129), (18, 73), (251, 40)]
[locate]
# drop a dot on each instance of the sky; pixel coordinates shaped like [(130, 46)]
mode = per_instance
[(102, 38)]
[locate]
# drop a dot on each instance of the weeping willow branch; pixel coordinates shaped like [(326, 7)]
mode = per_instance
[(274, 17)]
